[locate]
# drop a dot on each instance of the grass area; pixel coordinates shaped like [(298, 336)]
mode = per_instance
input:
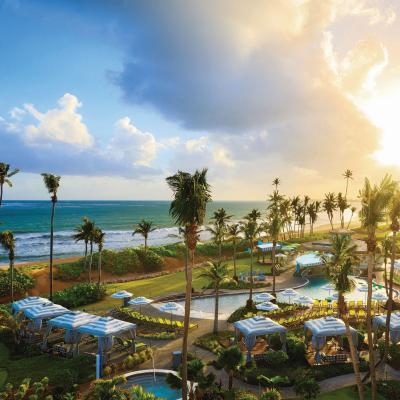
[(348, 393), (167, 284)]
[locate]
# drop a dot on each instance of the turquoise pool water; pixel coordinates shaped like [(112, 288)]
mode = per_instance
[(159, 387)]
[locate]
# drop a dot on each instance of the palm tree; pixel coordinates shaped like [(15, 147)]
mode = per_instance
[(218, 233), (99, 236), (234, 235), (342, 205), (91, 238), (191, 194), (338, 268), (353, 210), (251, 230), (221, 217), (216, 273), (374, 200), (8, 243), (83, 233), (348, 174), (5, 175), (144, 228), (230, 360), (312, 211), (52, 183), (253, 215), (276, 182), (329, 205), (394, 214), (385, 249)]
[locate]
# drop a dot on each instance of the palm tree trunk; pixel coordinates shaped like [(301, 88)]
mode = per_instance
[(1, 194), (230, 380), (385, 277), (371, 261), (51, 247), (234, 261), (86, 251), (351, 217), (273, 267), (390, 300), (90, 261), (220, 250), (11, 258), (216, 310), (250, 301), (145, 244), (99, 268)]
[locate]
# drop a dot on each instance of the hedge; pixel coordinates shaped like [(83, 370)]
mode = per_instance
[(80, 294)]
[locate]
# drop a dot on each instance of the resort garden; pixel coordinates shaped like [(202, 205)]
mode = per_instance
[(268, 307)]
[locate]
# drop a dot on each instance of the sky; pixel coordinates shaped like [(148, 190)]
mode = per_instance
[(114, 96)]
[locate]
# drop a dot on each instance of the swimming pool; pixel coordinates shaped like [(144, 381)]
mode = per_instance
[(203, 307), (154, 383)]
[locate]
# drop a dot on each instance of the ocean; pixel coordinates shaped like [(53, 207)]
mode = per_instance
[(30, 223)]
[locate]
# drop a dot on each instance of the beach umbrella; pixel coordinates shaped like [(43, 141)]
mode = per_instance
[(261, 297), (171, 307), (363, 289), (139, 301), (267, 306), (289, 293), (379, 296), (329, 287), (303, 300), (124, 295)]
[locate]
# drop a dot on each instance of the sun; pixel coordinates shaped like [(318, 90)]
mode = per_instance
[(384, 112)]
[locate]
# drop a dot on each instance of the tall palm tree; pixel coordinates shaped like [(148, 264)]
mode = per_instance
[(83, 233), (253, 215), (295, 204), (221, 217), (218, 233), (8, 243), (312, 211), (353, 210), (276, 182), (5, 175), (251, 230), (234, 236), (342, 205), (304, 213), (348, 174), (386, 249), (191, 193), (394, 214), (374, 200), (216, 273), (144, 228), (338, 268), (329, 205), (91, 238), (52, 183), (99, 236)]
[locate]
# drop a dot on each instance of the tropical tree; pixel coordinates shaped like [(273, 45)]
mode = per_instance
[(191, 193), (99, 236), (348, 174), (338, 269), (342, 205), (8, 243), (233, 231), (253, 215), (394, 215), (312, 211), (218, 233), (221, 217), (386, 249), (216, 273), (83, 233), (230, 360), (5, 175), (250, 230), (295, 204), (144, 228), (353, 210), (276, 182), (329, 205), (304, 213), (374, 200), (52, 183), (11, 324), (91, 237), (138, 393)]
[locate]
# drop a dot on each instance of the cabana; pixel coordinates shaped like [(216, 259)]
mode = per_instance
[(307, 260), (28, 302), (266, 248), (320, 329), (69, 321), (380, 322), (37, 314), (105, 329), (258, 326)]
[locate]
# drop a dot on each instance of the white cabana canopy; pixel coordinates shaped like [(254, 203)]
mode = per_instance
[(268, 246), (28, 302), (380, 321), (44, 311), (263, 297), (322, 328), (308, 260), (250, 328)]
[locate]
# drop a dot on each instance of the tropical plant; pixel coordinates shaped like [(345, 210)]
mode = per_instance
[(8, 243), (220, 217), (273, 381), (234, 235), (338, 269), (353, 210), (271, 394), (138, 393), (28, 391), (216, 273), (5, 175), (106, 389), (52, 183), (99, 236), (342, 205), (306, 387), (191, 194), (374, 200), (250, 230), (312, 211), (276, 182), (230, 360), (218, 233), (254, 215), (144, 228), (83, 233), (386, 249), (348, 174), (10, 324), (329, 205)]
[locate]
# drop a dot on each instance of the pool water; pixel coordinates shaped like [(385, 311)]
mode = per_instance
[(204, 307), (158, 387)]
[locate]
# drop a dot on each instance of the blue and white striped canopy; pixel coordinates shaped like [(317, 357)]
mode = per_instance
[(268, 246), (309, 260), (267, 306), (380, 320), (122, 294), (106, 326), (139, 301), (44, 311), (72, 320), (326, 326), (30, 301), (263, 297), (258, 326), (170, 306)]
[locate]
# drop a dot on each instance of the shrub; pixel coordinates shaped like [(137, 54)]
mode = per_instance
[(245, 396), (275, 342), (275, 358), (240, 313), (296, 349), (70, 271), (22, 282), (151, 261), (389, 389), (271, 394), (321, 372), (80, 295), (306, 387)]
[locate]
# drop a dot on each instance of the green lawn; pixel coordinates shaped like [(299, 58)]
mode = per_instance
[(348, 393), (165, 284)]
